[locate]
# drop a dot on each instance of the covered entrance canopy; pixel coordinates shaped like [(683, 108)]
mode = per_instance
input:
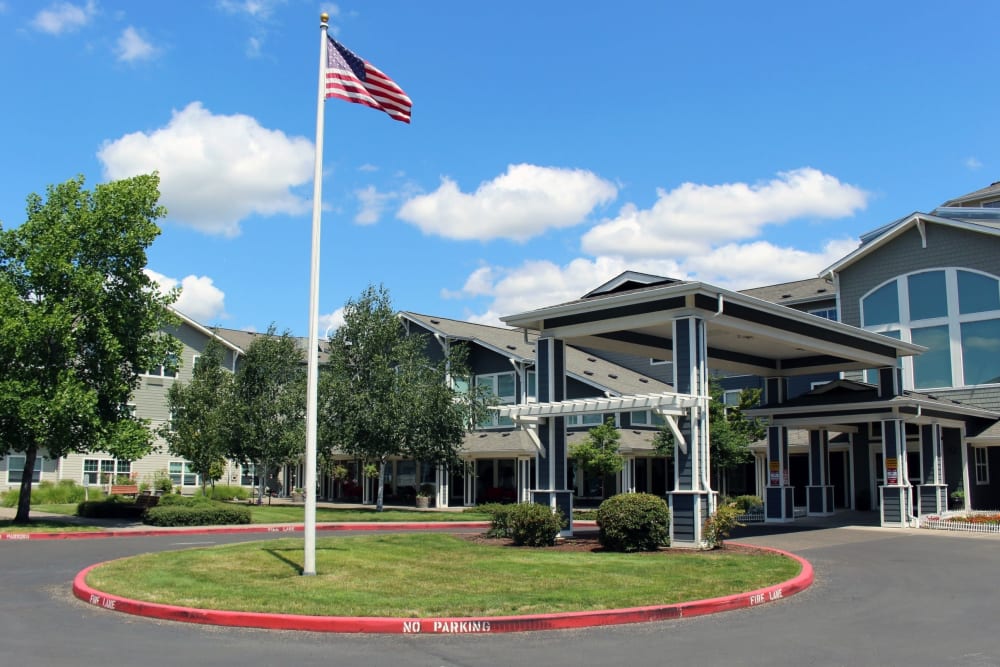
[(698, 327)]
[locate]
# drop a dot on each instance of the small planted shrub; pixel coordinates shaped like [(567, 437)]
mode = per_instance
[(633, 522), (747, 503), (201, 514), (718, 526), (533, 525), (499, 518), (177, 500)]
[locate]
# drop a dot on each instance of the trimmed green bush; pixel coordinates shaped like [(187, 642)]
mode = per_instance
[(499, 518), (634, 522), (112, 507), (746, 503), (177, 500), (225, 492), (533, 525), (206, 514)]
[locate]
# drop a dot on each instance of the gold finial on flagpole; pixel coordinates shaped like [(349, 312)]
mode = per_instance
[(324, 17)]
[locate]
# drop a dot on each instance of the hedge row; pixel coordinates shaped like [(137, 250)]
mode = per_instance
[(198, 515)]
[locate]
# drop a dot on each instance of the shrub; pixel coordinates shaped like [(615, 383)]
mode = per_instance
[(633, 522), (202, 514), (533, 525), (225, 492), (176, 500), (499, 518), (746, 503), (112, 507), (717, 527), (48, 493)]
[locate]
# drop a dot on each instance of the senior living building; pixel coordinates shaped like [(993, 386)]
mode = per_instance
[(880, 380)]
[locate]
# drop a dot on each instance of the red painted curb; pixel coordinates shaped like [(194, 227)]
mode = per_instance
[(471, 625), (272, 528)]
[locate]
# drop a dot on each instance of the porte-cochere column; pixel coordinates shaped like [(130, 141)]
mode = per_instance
[(819, 491), (692, 500), (779, 498), (551, 478)]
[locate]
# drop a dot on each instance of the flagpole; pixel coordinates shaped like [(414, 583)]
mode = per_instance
[(312, 390)]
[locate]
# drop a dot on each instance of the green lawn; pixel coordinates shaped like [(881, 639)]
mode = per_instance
[(431, 575), (44, 526)]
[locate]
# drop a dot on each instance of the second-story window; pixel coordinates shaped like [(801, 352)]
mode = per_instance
[(504, 389)]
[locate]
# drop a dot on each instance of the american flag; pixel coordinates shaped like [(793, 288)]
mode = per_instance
[(350, 78)]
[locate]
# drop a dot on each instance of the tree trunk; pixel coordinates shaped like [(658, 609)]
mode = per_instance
[(381, 485), (24, 500)]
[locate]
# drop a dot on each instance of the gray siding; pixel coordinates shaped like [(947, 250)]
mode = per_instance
[(946, 247)]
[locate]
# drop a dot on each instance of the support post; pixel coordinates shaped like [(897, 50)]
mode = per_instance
[(551, 463), (895, 502), (819, 491), (692, 500)]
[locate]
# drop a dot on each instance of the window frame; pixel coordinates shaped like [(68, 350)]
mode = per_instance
[(953, 321), (981, 467), (493, 380), (36, 474)]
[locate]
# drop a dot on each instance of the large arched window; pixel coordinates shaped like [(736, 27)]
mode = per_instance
[(954, 313)]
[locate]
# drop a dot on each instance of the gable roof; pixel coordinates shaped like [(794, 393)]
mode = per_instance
[(991, 191), (627, 281), (883, 235)]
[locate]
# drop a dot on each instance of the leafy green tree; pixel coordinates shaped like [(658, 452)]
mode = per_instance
[(730, 431), (267, 419), (200, 415), (79, 320), (382, 397), (597, 454)]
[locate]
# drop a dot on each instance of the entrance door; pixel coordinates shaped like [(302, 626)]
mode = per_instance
[(840, 478)]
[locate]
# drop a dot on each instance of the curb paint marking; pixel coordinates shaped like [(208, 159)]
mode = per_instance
[(448, 627)]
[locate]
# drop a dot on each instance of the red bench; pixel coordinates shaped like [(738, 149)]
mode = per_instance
[(125, 490)]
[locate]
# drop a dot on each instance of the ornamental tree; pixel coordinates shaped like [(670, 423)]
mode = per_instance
[(380, 396), (200, 415), (267, 421), (79, 320), (597, 454)]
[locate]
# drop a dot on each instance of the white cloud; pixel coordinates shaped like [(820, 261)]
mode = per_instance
[(693, 218), (255, 9), (367, 168), (973, 163), (330, 323), (216, 170), (522, 203), (132, 47), (535, 284), (199, 298), (372, 204), (63, 17), (742, 266)]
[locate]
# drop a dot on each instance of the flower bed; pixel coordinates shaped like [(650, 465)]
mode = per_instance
[(972, 522)]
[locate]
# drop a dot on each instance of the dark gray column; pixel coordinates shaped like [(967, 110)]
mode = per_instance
[(819, 491), (692, 500), (933, 492), (895, 492), (551, 460), (779, 496)]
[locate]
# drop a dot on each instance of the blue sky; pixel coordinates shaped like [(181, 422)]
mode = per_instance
[(553, 145)]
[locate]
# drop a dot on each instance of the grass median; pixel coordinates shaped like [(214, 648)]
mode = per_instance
[(428, 575)]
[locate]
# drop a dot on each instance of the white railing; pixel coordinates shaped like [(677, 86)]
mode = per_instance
[(753, 516), (945, 521)]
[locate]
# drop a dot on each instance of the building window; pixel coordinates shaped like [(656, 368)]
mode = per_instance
[(168, 369), (646, 418), (15, 469), (825, 313), (182, 474), (982, 464), (104, 471), (585, 420), (955, 313), (532, 380), (503, 388)]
